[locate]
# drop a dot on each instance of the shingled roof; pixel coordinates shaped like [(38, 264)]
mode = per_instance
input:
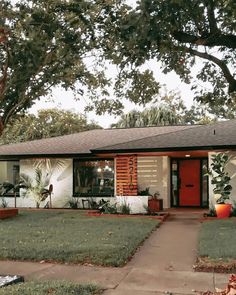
[(84, 142), (213, 136), (218, 135)]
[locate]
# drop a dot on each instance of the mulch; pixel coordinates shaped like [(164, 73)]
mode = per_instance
[(162, 216), (204, 264)]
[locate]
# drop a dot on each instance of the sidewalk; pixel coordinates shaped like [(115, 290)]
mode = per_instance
[(162, 264)]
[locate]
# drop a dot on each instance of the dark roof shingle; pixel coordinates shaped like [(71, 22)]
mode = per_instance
[(220, 134), (84, 142)]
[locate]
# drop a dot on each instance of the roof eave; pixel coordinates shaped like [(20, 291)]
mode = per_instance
[(165, 149)]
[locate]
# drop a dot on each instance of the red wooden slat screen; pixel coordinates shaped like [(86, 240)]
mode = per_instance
[(126, 175)]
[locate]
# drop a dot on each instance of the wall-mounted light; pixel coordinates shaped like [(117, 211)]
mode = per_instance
[(187, 156)]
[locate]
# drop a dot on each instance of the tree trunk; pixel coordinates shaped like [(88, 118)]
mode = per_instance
[(1, 126)]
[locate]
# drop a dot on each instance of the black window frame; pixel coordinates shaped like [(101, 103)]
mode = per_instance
[(93, 195), (13, 194), (176, 160)]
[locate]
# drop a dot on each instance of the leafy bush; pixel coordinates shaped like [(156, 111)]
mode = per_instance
[(3, 203), (92, 203), (233, 213), (106, 207), (73, 203), (145, 192), (125, 208), (220, 177)]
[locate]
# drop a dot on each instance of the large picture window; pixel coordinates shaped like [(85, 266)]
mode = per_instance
[(94, 178), (9, 176)]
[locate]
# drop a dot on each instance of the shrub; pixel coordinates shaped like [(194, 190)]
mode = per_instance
[(125, 208)]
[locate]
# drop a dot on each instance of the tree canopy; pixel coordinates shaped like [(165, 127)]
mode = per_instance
[(170, 110), (178, 34), (48, 43), (69, 43), (47, 123), (45, 43)]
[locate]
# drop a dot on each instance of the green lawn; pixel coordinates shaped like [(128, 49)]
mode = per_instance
[(52, 287), (72, 237), (218, 240)]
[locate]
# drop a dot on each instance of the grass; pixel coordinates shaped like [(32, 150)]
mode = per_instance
[(52, 287), (218, 239), (72, 237), (217, 246)]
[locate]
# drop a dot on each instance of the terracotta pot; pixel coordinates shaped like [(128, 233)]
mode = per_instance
[(223, 210), (155, 205)]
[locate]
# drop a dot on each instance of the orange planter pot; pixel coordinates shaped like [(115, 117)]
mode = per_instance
[(223, 210), (155, 205)]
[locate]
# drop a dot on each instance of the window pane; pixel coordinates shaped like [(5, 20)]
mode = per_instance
[(204, 183), (95, 177), (174, 183), (9, 175)]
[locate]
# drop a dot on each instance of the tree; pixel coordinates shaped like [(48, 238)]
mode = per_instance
[(154, 116), (170, 110), (48, 43), (47, 123), (69, 43), (178, 34)]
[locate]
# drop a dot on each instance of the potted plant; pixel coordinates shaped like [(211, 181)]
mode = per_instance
[(221, 182), (155, 204)]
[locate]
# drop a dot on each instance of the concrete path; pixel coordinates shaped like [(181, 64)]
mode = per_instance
[(162, 264)]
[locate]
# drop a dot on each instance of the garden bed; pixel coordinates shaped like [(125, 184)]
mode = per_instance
[(160, 216), (211, 218), (50, 287), (8, 212), (217, 242), (205, 264)]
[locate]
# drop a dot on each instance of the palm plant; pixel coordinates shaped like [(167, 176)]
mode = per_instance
[(36, 187)]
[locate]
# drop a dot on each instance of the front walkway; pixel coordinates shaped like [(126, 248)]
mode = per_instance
[(162, 264)]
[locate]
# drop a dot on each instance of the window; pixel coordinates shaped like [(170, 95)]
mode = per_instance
[(94, 178), (9, 176), (175, 185), (204, 183)]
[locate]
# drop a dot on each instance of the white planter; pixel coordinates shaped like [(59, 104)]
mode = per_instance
[(137, 204)]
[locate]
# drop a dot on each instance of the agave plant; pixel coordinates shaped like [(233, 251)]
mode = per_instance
[(36, 187)]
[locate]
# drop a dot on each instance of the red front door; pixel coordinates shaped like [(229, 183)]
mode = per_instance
[(189, 183)]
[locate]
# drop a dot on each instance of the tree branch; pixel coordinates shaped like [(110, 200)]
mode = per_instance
[(228, 76), (207, 39), (211, 17), (3, 79)]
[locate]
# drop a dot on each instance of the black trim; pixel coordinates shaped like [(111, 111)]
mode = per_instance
[(177, 160), (201, 187), (171, 183), (11, 195), (165, 149)]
